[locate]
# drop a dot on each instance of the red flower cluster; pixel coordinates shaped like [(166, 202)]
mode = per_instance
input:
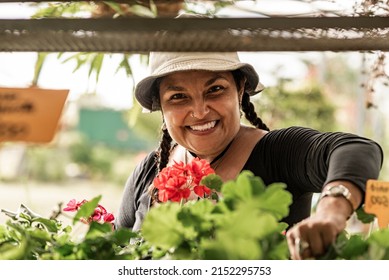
[(177, 182), (99, 215)]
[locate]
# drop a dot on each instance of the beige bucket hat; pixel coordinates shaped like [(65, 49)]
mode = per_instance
[(164, 63)]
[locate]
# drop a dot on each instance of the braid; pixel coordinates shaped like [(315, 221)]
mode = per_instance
[(162, 159), (164, 149), (250, 114)]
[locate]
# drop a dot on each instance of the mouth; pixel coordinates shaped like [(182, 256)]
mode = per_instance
[(203, 127)]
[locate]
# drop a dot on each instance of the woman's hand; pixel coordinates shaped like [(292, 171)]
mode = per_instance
[(311, 237)]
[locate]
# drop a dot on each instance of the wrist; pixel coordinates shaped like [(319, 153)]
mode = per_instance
[(339, 198), (334, 206)]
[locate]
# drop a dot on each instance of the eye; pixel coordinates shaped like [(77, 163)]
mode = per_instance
[(177, 96), (216, 89)]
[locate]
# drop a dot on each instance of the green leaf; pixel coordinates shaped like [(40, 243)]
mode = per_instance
[(142, 11), (87, 209), (248, 222), (50, 225), (197, 216), (276, 200), (376, 252), (11, 251), (364, 217), (96, 65), (228, 247), (124, 64), (98, 229), (245, 187), (122, 236), (380, 237), (257, 185), (161, 226), (237, 190), (115, 6), (277, 248), (213, 182), (355, 247), (39, 234)]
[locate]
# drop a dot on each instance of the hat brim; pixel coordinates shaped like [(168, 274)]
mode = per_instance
[(144, 89)]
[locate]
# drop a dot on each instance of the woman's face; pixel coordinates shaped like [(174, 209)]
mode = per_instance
[(213, 98)]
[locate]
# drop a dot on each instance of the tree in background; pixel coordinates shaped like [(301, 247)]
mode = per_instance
[(281, 106)]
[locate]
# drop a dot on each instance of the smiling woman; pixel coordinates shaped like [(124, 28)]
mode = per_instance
[(202, 97)]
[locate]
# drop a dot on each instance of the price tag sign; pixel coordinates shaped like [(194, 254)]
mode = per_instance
[(30, 114), (377, 201)]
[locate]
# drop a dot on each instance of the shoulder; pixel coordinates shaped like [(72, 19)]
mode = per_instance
[(291, 134), (145, 166)]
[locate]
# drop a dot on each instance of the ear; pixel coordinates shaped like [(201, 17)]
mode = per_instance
[(241, 90)]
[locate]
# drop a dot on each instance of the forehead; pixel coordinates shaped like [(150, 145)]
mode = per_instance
[(197, 76)]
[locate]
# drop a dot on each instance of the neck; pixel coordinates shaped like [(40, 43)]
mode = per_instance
[(219, 156)]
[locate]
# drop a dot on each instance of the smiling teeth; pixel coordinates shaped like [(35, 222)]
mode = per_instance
[(204, 126)]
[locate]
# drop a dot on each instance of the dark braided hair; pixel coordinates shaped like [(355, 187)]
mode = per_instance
[(250, 114), (161, 159), (247, 106), (165, 147)]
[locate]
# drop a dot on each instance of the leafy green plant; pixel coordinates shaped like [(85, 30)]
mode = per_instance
[(241, 222), (29, 236), (203, 229)]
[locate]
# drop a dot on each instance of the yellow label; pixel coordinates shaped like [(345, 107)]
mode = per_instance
[(30, 114), (377, 201)]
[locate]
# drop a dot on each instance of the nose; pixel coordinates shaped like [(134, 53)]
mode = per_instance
[(200, 109)]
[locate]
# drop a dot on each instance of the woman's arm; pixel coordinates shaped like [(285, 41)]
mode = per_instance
[(351, 161)]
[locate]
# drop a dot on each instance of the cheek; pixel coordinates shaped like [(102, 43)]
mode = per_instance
[(173, 119)]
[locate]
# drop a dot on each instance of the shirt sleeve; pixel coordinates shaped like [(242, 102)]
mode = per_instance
[(308, 159)]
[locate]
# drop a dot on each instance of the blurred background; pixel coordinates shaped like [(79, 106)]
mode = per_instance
[(103, 133)]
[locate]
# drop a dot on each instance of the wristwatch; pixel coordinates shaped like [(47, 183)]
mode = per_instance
[(338, 190)]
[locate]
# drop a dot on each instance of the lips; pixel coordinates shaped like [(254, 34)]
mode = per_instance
[(203, 127)]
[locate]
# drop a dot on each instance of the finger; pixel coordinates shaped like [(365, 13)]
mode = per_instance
[(304, 250), (328, 236), (317, 246), (293, 246)]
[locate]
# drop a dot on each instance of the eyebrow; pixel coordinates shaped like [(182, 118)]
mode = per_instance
[(174, 88), (207, 83), (217, 77)]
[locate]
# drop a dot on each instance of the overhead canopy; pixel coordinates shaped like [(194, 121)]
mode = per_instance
[(195, 34)]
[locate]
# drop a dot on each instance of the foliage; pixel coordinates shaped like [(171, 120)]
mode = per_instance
[(283, 107), (78, 158), (45, 163), (243, 223), (356, 247), (202, 229), (29, 236), (94, 160), (223, 229)]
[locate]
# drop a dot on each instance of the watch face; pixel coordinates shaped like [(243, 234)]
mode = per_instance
[(337, 189), (340, 190)]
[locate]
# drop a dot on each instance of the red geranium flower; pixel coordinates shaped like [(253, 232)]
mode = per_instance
[(177, 182)]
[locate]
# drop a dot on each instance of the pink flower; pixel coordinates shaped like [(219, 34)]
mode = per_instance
[(99, 214), (177, 182), (73, 205), (108, 218)]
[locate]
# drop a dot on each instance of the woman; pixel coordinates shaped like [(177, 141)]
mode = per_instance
[(201, 97)]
